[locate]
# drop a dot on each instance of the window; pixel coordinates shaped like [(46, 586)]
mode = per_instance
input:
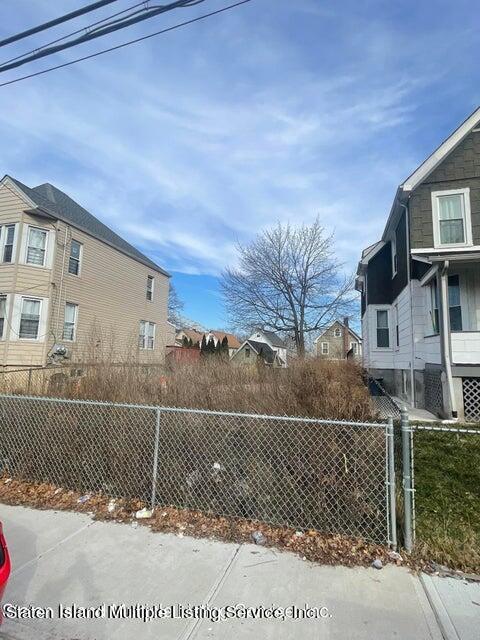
[(247, 352), (354, 348), (394, 256), (383, 331), (3, 314), (337, 333), (147, 335), (36, 246), (451, 218), (30, 319), (74, 260), (325, 348), (150, 287), (70, 321), (8, 238), (454, 303)]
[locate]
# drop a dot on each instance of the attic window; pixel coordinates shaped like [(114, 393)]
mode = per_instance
[(337, 333)]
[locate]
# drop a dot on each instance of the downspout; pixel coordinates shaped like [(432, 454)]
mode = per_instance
[(446, 336), (409, 277)]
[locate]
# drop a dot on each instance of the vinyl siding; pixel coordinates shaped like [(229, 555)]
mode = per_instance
[(111, 296)]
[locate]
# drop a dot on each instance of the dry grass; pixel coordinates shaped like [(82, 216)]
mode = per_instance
[(312, 388)]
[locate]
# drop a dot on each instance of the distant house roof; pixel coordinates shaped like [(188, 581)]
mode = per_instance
[(273, 337), (59, 205), (193, 334), (233, 341), (354, 334)]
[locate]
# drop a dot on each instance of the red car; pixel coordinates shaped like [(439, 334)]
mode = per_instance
[(4, 565)]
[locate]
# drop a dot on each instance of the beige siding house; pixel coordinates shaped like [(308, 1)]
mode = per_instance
[(337, 342), (69, 284)]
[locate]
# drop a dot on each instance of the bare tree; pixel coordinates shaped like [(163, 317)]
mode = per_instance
[(288, 280), (175, 307)]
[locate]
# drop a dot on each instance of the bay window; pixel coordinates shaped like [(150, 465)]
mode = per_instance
[(36, 246), (7, 234), (30, 319)]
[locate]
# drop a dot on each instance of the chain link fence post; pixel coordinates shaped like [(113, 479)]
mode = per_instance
[(407, 480), (155, 458), (392, 499)]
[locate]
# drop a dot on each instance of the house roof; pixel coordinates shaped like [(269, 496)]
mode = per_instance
[(233, 341), (350, 330), (273, 337), (193, 334), (58, 204), (267, 352)]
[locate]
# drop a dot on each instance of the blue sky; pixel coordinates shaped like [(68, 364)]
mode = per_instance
[(278, 110)]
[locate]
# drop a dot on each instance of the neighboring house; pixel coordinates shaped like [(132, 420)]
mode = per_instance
[(218, 336), (68, 282), (276, 344), (251, 352), (188, 334), (420, 283), (338, 342)]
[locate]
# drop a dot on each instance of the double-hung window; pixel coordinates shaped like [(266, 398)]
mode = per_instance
[(383, 329), (150, 287), (452, 225), (70, 321), (74, 259), (30, 319), (325, 348), (3, 315), (147, 335), (454, 304), (354, 348), (7, 235), (36, 246)]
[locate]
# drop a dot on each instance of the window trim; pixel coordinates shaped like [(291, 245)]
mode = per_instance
[(40, 314), (47, 261), (150, 291), (80, 256), (15, 317), (467, 218), (354, 348), (387, 308), (145, 336), (3, 238), (6, 297), (339, 332), (327, 352), (75, 322)]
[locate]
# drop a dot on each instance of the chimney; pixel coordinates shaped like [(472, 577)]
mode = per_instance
[(346, 347)]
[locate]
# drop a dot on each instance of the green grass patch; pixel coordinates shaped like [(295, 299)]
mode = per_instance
[(447, 498)]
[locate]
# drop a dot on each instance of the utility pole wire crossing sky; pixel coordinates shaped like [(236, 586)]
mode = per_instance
[(126, 44)]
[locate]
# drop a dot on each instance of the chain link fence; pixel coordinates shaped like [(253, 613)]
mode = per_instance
[(326, 475)]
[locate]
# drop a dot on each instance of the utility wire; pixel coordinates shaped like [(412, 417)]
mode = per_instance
[(74, 33), (126, 44), (53, 23), (114, 25)]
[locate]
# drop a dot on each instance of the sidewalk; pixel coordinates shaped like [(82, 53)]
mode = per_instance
[(61, 557)]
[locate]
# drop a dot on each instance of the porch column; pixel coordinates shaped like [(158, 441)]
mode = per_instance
[(445, 339)]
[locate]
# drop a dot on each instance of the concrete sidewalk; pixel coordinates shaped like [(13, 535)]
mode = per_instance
[(61, 557)]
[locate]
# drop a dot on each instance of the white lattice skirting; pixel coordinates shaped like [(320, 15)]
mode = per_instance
[(471, 399)]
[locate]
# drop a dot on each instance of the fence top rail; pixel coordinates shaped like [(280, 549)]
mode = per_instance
[(426, 427), (162, 409)]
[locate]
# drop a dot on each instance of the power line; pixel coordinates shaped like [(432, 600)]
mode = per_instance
[(110, 27), (53, 23), (74, 33), (126, 44)]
